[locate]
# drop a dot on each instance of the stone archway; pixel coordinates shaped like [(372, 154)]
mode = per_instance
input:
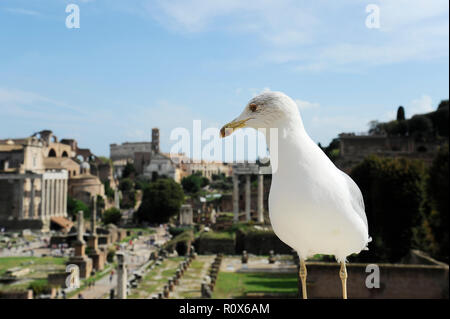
[(52, 153)]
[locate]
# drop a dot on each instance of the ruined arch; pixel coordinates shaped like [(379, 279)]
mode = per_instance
[(64, 154), (52, 153)]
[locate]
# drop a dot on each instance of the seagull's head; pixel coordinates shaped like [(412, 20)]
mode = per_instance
[(266, 110)]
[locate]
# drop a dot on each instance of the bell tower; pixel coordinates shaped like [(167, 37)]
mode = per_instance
[(155, 140)]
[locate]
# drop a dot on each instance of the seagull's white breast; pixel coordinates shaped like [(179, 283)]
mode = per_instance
[(311, 206)]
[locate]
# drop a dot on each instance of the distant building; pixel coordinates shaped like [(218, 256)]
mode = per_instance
[(207, 169), (85, 185), (125, 151), (33, 190), (36, 175), (354, 148), (162, 165)]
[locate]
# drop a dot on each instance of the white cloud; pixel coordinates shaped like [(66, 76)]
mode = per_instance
[(277, 22), (326, 35), (423, 104)]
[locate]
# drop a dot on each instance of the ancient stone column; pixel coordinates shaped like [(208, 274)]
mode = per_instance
[(60, 197), (47, 198), (121, 277), (260, 198), (43, 201), (247, 197), (80, 228), (52, 197), (235, 198), (57, 196), (65, 197), (116, 199), (80, 259), (32, 194), (98, 258), (20, 183)]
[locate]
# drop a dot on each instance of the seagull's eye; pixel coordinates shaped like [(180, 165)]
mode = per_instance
[(253, 107)]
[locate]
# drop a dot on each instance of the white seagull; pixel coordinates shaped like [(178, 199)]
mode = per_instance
[(314, 207)]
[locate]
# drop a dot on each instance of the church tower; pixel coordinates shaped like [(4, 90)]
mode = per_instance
[(155, 140)]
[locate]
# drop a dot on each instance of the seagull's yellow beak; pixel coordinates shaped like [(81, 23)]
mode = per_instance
[(229, 128)]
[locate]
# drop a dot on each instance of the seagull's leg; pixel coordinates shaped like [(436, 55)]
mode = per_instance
[(302, 273), (343, 275)]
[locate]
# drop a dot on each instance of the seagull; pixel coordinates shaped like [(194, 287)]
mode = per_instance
[(314, 207)]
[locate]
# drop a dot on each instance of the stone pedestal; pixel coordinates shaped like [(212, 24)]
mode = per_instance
[(121, 277), (81, 260), (97, 256)]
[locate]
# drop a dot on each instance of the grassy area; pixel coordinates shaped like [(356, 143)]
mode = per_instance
[(217, 235), (233, 285), (192, 279), (135, 232), (40, 267), (35, 263)]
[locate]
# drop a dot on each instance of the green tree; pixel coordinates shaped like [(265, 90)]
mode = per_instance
[(420, 127), (393, 193), (129, 171), (75, 205), (436, 209), (400, 113), (205, 181), (126, 185), (192, 183), (112, 216), (161, 200), (109, 192)]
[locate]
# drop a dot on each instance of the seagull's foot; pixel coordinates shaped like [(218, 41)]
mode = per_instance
[(303, 273), (343, 276)]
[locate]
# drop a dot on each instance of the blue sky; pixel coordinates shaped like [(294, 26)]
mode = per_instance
[(137, 64)]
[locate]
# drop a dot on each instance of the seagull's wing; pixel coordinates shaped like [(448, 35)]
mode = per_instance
[(356, 197)]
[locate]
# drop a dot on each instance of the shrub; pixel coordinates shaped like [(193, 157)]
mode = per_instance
[(39, 287), (181, 243), (436, 209), (126, 185), (75, 205), (112, 216), (393, 192), (110, 255), (175, 231)]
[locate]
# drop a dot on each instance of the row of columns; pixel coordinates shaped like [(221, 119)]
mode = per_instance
[(54, 197), (260, 200)]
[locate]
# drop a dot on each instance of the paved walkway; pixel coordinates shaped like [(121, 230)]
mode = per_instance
[(100, 290), (135, 256)]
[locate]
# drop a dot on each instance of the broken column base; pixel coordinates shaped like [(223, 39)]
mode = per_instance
[(98, 260), (84, 265), (81, 260)]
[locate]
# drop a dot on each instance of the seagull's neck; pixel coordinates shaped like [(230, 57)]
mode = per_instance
[(291, 145)]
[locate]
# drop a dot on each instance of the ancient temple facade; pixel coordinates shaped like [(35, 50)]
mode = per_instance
[(31, 194)]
